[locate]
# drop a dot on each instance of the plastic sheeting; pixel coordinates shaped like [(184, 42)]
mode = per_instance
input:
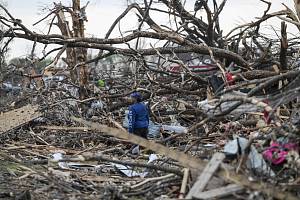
[(176, 129), (128, 171), (255, 160)]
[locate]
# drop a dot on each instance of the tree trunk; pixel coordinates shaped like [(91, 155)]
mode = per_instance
[(71, 54), (81, 53)]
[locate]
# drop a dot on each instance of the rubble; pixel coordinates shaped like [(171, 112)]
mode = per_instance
[(225, 128)]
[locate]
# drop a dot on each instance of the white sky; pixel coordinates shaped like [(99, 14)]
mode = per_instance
[(102, 13)]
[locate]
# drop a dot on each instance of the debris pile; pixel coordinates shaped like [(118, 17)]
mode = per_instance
[(226, 127), (196, 149)]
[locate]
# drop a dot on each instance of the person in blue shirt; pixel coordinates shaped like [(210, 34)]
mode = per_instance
[(138, 116)]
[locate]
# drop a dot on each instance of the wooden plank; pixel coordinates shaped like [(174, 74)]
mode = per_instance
[(18, 117), (219, 192), (206, 175)]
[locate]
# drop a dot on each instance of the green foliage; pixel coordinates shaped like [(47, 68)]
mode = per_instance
[(40, 66), (101, 83)]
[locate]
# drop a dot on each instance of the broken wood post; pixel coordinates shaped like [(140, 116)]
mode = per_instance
[(184, 183), (283, 47)]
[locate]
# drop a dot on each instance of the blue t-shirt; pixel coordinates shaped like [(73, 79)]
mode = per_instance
[(138, 117)]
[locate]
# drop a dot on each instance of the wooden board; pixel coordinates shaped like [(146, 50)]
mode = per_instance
[(18, 117), (206, 175), (219, 192)]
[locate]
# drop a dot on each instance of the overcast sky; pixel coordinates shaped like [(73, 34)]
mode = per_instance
[(101, 14)]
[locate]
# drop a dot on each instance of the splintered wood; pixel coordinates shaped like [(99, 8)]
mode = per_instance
[(18, 117), (206, 175)]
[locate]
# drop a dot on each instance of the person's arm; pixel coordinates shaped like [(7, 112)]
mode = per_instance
[(131, 119)]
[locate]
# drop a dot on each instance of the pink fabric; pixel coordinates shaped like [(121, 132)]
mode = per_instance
[(276, 153)]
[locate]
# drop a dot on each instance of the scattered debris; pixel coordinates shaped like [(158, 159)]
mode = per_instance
[(224, 109)]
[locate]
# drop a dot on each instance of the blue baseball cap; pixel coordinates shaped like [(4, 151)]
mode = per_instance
[(136, 95)]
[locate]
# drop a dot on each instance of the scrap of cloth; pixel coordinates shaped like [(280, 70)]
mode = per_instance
[(277, 152)]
